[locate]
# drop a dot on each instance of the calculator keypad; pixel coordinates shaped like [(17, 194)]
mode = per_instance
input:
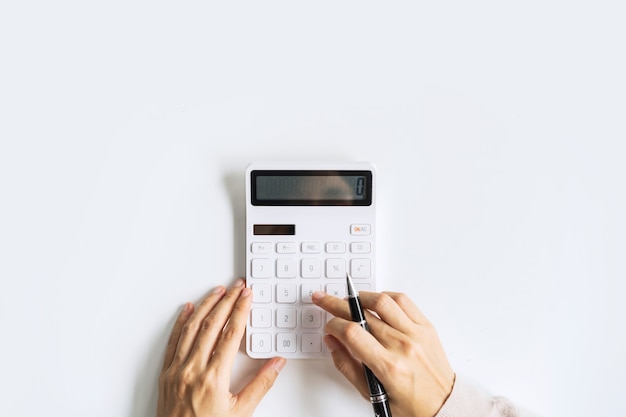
[(283, 277)]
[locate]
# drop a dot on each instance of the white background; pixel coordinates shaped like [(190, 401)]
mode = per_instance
[(497, 129)]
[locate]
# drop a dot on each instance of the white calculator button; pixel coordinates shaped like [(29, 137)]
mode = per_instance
[(286, 342), (286, 268), (286, 293), (306, 292), (261, 293), (335, 247), (363, 287), (360, 229), (261, 342), (311, 247), (336, 290), (286, 318), (311, 342), (311, 318), (261, 268), (335, 268), (286, 247), (261, 317), (311, 268), (360, 268), (360, 247), (261, 247)]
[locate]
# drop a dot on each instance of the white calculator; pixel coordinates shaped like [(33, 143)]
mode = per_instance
[(307, 226)]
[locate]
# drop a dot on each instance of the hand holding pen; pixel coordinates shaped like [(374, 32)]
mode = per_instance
[(378, 395), (402, 349)]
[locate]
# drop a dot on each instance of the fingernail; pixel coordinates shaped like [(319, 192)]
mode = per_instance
[(246, 292), (218, 290), (187, 307), (318, 295), (279, 364), (239, 282)]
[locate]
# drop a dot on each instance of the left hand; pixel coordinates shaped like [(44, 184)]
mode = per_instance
[(195, 378)]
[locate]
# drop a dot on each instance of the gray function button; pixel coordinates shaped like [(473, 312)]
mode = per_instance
[(261, 247), (311, 247), (335, 247), (286, 247), (360, 247)]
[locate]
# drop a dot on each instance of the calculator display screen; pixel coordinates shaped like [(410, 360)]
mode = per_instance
[(311, 188)]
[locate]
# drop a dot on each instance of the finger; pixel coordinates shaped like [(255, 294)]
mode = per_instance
[(182, 318), (340, 308), (228, 344), (190, 328), (336, 306), (212, 326), (408, 307), (347, 364), (252, 394), (359, 341), (387, 309)]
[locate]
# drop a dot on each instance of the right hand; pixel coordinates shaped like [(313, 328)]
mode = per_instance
[(403, 350)]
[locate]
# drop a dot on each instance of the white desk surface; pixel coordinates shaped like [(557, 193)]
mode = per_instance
[(498, 132)]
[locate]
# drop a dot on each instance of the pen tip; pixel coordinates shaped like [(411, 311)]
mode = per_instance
[(352, 292)]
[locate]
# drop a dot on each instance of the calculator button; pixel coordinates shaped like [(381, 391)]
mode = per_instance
[(360, 229), (261, 317), (261, 247), (311, 268), (286, 318), (286, 293), (335, 247), (261, 342), (311, 318), (360, 247), (286, 342), (286, 268), (261, 293), (286, 247), (306, 292), (335, 268), (311, 342), (311, 247), (360, 268), (261, 268), (336, 290), (363, 287)]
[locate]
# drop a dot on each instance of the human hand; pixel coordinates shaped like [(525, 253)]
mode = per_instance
[(195, 378), (403, 350)]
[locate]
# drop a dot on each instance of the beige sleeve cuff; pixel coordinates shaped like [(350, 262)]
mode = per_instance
[(466, 400)]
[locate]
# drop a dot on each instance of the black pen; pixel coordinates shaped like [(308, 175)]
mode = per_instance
[(378, 395)]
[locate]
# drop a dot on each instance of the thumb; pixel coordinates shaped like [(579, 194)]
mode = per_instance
[(348, 365), (252, 394)]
